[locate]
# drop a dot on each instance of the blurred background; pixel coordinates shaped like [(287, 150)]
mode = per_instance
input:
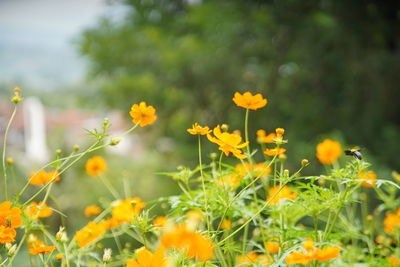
[(329, 69)]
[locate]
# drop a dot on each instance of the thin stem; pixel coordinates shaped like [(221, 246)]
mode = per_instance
[(109, 186), (203, 184), (246, 134), (4, 151), (220, 162), (18, 248)]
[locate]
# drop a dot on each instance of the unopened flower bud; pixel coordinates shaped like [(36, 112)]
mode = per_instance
[(58, 152), (115, 141), (75, 148), (107, 255), (369, 217), (59, 256), (224, 127), (321, 181), (304, 162), (282, 157), (32, 238), (286, 173), (10, 161), (213, 156), (61, 235), (16, 98), (11, 249), (106, 121), (279, 131)]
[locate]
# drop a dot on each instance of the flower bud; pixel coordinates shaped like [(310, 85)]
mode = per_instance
[(237, 132), (286, 173), (16, 98), (10, 161), (279, 132), (369, 217), (58, 152), (115, 141), (282, 157), (106, 121), (304, 162), (107, 255), (75, 148), (59, 256), (213, 156), (11, 249), (224, 127), (61, 235), (32, 238)]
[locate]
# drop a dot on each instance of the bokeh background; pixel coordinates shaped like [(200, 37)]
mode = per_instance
[(329, 68)]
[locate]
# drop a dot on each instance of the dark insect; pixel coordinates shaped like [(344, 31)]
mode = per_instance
[(355, 152)]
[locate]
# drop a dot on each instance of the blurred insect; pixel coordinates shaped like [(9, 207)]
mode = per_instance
[(355, 152)]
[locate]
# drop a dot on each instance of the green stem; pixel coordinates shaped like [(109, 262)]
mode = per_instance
[(4, 151), (246, 134), (18, 248), (109, 186), (203, 185)]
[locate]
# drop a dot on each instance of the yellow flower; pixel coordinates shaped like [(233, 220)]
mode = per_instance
[(38, 210), (144, 258), (89, 234), (326, 254), (279, 132), (7, 234), (43, 177), (262, 137), (298, 257), (125, 210), (38, 247), (10, 216), (394, 261), (228, 143), (249, 101), (198, 130), (392, 223), (143, 114), (226, 224), (95, 166), (272, 246), (160, 221), (285, 193), (195, 245), (370, 178), (328, 151), (92, 210), (257, 170), (230, 181), (274, 151)]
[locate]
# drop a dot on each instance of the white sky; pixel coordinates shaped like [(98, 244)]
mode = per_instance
[(36, 37)]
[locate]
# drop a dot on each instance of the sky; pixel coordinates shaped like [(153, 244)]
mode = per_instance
[(37, 40)]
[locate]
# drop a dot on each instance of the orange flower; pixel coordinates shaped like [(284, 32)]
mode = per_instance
[(274, 151), (298, 257), (370, 178), (111, 223), (272, 246), (10, 216), (144, 258), (279, 132), (394, 261), (196, 245), (7, 234), (95, 166), (89, 234), (228, 143), (253, 257), (249, 101), (262, 137), (43, 177), (59, 256), (326, 254), (125, 210), (392, 223), (226, 224), (231, 181), (160, 221), (285, 193), (37, 247), (257, 170), (328, 151), (143, 114), (198, 130), (38, 210), (92, 210)]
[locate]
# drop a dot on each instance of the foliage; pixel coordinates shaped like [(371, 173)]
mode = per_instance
[(332, 65), (245, 214)]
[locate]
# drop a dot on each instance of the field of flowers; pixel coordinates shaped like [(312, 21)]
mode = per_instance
[(255, 212)]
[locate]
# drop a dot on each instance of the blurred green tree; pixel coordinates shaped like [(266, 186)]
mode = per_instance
[(325, 65)]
